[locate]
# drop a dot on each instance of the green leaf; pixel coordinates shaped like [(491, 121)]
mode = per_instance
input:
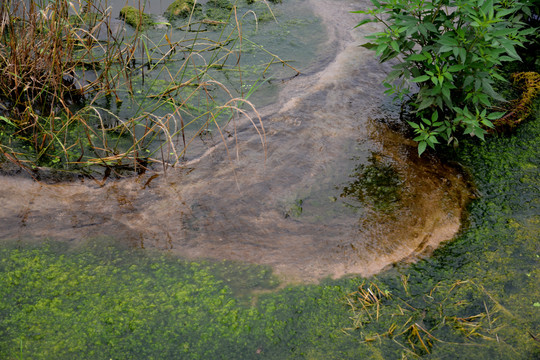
[(456, 68), (510, 50), (369, 45), (504, 12), (432, 140), (421, 78), (495, 115), (423, 30), (506, 58), (441, 79), (413, 124), (446, 48), (446, 92), (487, 123), (487, 7), (363, 22), (421, 147), (427, 102), (448, 40), (499, 77), (463, 54), (502, 32), (416, 57), (431, 27), (479, 132), (380, 49), (468, 81), (392, 75), (6, 120)]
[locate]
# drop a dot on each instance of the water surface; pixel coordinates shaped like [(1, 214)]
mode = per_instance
[(332, 192)]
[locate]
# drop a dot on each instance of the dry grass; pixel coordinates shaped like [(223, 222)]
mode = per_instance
[(413, 321), (63, 84)]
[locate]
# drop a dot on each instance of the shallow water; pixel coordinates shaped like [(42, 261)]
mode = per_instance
[(285, 206)]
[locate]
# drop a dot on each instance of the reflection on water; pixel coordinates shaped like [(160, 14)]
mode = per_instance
[(287, 210), (376, 185)]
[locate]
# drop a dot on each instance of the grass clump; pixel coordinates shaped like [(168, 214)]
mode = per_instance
[(68, 84), (45, 55)]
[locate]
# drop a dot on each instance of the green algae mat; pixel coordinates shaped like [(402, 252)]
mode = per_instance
[(478, 297)]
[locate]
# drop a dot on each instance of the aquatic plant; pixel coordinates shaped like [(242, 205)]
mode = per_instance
[(475, 298), (376, 185), (451, 51)]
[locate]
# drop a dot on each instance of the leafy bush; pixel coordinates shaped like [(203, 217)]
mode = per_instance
[(452, 51)]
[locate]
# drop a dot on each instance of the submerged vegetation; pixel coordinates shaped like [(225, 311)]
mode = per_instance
[(376, 185), (477, 297), (135, 18), (182, 8)]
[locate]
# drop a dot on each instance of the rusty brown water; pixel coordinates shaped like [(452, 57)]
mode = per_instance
[(291, 211)]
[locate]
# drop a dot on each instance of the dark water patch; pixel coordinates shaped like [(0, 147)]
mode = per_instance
[(376, 184)]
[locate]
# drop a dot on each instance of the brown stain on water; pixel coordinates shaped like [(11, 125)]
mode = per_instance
[(237, 210)]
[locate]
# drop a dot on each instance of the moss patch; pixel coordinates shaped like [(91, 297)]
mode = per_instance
[(218, 10), (182, 9), (103, 302), (135, 18)]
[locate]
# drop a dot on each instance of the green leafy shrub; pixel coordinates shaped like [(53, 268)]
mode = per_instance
[(451, 50)]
